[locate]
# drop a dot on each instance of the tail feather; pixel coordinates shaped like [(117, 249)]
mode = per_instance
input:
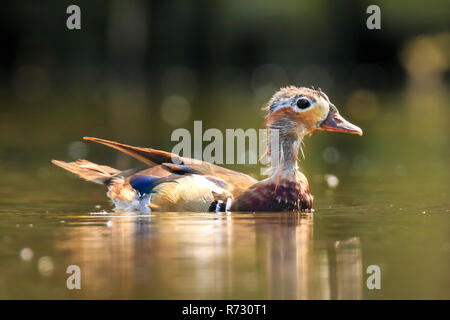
[(148, 156), (88, 170)]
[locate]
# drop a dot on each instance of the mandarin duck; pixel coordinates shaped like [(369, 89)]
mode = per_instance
[(175, 183)]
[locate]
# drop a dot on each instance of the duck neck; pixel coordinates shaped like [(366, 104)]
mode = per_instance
[(283, 144)]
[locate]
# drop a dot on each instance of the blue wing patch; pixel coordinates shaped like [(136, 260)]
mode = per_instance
[(179, 168), (144, 184)]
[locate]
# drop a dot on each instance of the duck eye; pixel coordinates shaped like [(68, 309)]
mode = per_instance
[(303, 103)]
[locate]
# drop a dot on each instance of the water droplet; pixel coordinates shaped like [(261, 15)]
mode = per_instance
[(26, 254), (45, 266), (332, 180)]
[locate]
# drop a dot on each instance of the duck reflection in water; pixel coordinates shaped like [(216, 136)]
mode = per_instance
[(204, 256)]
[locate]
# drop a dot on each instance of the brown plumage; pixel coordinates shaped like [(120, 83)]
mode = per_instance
[(174, 183), (288, 191), (237, 182)]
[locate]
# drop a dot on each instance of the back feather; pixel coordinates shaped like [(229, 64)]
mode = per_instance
[(237, 182)]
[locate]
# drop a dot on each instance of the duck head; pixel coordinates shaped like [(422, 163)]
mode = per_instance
[(304, 111)]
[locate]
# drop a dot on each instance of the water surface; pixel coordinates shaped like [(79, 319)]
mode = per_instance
[(390, 209), (401, 226)]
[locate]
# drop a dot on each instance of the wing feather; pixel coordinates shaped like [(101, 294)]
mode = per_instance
[(237, 182)]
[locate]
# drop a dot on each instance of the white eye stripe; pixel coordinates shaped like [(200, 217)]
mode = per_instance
[(291, 103), (285, 103)]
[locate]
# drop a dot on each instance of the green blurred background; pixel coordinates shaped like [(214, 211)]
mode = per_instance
[(137, 70)]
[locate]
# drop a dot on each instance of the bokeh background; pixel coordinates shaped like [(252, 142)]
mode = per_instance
[(138, 69)]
